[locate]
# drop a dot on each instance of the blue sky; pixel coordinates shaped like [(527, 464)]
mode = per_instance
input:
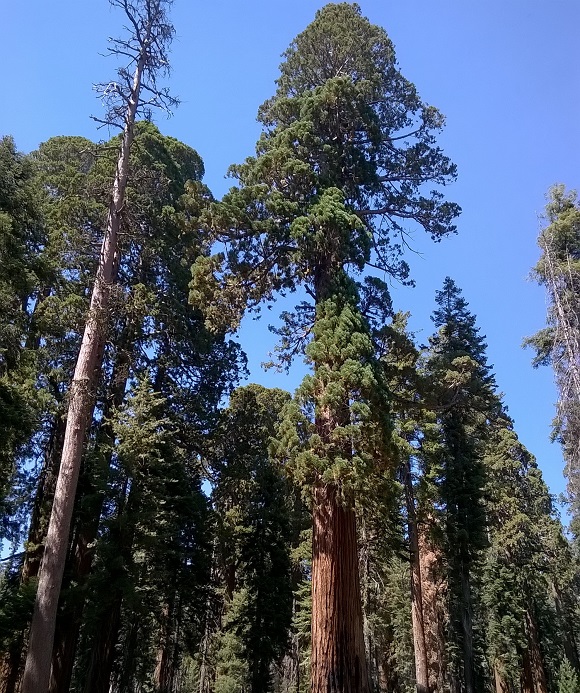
[(505, 74)]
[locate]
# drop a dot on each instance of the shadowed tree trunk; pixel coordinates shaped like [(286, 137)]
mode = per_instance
[(43, 501), (467, 631), (419, 644), (107, 632), (81, 557), (164, 673), (534, 656), (12, 664)]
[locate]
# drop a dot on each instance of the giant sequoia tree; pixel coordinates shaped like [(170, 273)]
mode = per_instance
[(339, 176)]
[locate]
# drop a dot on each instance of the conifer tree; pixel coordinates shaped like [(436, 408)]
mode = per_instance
[(515, 591), (458, 364), (253, 501), (418, 448), (568, 681), (558, 345), (21, 236), (58, 177), (346, 151), (146, 47)]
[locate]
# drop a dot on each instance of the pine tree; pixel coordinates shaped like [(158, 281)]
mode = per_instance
[(515, 591), (457, 363), (147, 45), (558, 344), (252, 500), (568, 681), (346, 150)]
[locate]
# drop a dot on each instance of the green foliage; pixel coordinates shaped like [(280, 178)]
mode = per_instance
[(568, 681), (515, 577), (21, 236), (558, 344), (152, 333), (252, 500), (346, 150), (345, 371), (466, 399), (465, 402)]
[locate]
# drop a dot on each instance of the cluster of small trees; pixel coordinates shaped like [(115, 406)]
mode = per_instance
[(382, 529)]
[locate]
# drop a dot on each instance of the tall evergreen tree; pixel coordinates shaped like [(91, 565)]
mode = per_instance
[(147, 47), (346, 151), (522, 629), (253, 502), (153, 329), (457, 362), (558, 345), (21, 272)]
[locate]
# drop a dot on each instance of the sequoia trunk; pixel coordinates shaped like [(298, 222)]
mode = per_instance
[(434, 595), (338, 653), (419, 644)]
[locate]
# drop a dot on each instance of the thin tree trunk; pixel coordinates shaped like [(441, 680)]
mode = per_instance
[(367, 608), (43, 501), (12, 662), (103, 651), (419, 643), (164, 669), (211, 617), (81, 407), (338, 653), (467, 631), (11, 665), (102, 658)]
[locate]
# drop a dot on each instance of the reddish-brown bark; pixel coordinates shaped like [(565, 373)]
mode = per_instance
[(535, 660), (338, 654), (419, 643), (433, 592)]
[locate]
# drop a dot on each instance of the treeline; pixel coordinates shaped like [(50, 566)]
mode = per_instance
[(382, 529)]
